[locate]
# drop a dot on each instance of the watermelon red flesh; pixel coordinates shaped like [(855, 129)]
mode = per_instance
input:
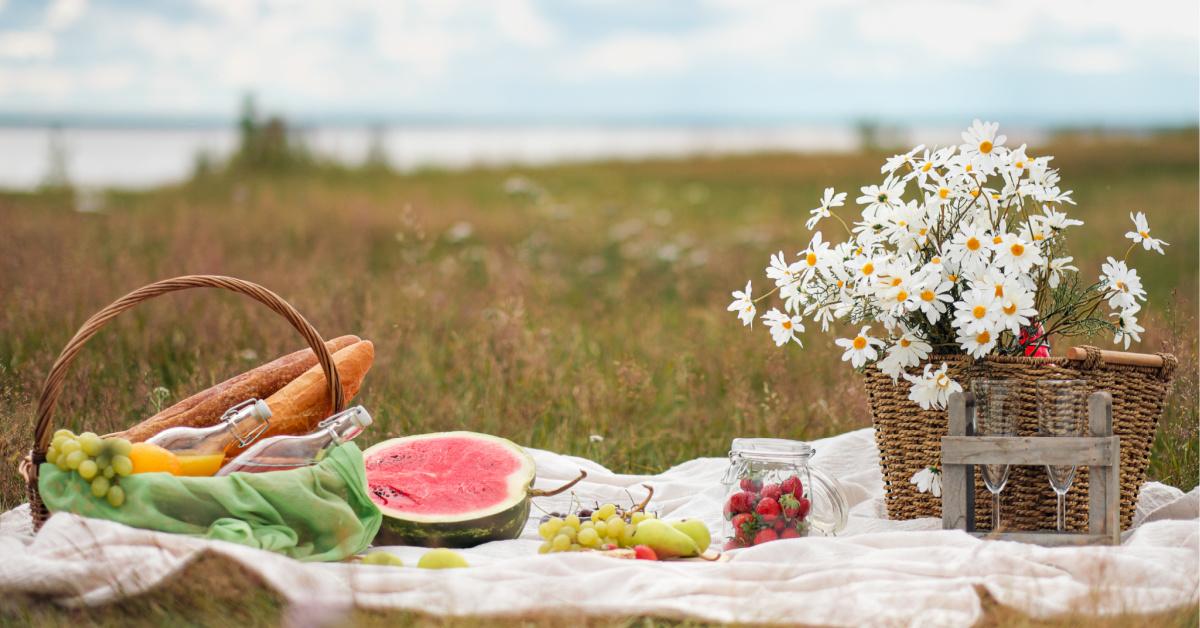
[(453, 489)]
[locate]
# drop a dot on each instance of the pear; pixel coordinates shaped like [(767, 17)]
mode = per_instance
[(697, 530), (664, 539)]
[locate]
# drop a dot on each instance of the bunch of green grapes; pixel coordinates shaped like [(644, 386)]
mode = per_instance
[(100, 461), (603, 528)]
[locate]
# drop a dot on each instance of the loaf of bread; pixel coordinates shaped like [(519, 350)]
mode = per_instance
[(205, 408), (298, 407)]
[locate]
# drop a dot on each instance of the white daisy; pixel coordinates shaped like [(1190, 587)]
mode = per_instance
[(1016, 309), (970, 245), (879, 199), (976, 311), (783, 327), (978, 343), (933, 296), (982, 145), (1057, 220), (743, 304), (895, 161), (932, 389), (1141, 234), (928, 480), (1127, 327), (1123, 283), (830, 200), (1058, 267), (860, 349), (1017, 255), (909, 350)]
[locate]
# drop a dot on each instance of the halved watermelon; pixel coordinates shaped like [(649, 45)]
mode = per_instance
[(449, 489)]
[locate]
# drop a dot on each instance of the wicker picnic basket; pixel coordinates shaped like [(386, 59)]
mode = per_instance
[(48, 399), (909, 438)]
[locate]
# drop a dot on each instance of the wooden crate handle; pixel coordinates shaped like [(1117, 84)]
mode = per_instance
[(1118, 357)]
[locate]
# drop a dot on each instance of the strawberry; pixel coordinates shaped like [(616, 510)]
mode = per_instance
[(750, 484), (733, 544), (790, 533), (739, 503), (780, 524), (805, 506), (765, 536), (790, 505), (772, 490), (768, 508), (793, 485), (644, 552), (743, 526)]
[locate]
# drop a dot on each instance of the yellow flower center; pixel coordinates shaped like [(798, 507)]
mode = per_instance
[(902, 223), (999, 291), (985, 147), (1017, 249), (922, 231), (997, 240), (1038, 237), (811, 259), (936, 260), (942, 380), (969, 167), (860, 343), (868, 268), (975, 193), (953, 278), (943, 192), (973, 243), (787, 324), (904, 342), (1121, 285), (1020, 165), (984, 337), (902, 296), (979, 311), (996, 196), (927, 295), (927, 166), (749, 308), (1144, 234), (1010, 308), (840, 283), (896, 281)]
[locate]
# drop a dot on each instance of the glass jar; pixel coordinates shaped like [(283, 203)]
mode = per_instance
[(771, 493)]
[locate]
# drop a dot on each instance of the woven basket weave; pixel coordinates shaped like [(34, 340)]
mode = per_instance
[(48, 400), (909, 438)]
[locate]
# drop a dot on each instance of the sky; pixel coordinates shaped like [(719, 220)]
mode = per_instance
[(1073, 61)]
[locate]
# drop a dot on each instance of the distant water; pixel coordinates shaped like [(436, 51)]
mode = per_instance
[(125, 157)]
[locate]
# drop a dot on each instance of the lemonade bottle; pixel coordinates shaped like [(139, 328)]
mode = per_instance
[(280, 453), (202, 450)]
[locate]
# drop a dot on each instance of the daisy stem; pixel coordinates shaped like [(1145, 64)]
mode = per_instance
[(1128, 251)]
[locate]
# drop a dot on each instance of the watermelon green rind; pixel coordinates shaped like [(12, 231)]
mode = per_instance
[(500, 521)]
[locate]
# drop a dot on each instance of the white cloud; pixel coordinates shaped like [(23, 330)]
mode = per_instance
[(520, 21), (631, 54), (63, 13), (26, 45)]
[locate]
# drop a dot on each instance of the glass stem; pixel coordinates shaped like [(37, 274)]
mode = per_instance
[(1061, 524), (995, 511)]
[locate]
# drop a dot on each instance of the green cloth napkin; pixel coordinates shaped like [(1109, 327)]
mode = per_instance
[(316, 513)]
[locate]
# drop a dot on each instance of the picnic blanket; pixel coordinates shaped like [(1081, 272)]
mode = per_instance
[(877, 572)]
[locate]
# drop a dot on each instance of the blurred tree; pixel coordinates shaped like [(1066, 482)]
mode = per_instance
[(377, 159)]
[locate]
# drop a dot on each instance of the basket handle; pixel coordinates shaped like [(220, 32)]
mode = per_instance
[(48, 399), (1093, 357)]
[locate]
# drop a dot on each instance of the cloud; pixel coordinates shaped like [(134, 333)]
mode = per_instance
[(631, 54), (64, 13), (26, 45)]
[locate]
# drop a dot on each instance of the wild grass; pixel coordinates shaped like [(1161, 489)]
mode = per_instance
[(545, 305)]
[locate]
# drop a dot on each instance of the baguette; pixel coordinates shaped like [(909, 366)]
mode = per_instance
[(205, 408), (298, 407)]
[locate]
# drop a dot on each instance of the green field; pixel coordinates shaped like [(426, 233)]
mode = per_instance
[(569, 302)]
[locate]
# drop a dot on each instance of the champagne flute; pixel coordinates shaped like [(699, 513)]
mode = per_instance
[(994, 418), (1060, 413)]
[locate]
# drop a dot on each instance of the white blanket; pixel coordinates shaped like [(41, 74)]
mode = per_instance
[(878, 572)]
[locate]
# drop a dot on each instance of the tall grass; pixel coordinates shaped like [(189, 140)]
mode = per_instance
[(567, 302)]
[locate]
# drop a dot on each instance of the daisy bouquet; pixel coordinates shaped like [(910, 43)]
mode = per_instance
[(960, 250)]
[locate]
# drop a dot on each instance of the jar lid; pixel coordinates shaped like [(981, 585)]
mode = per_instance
[(770, 448)]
